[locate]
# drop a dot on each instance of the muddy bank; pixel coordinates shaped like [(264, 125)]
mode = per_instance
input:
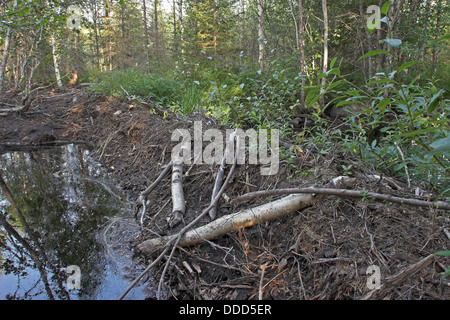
[(322, 252)]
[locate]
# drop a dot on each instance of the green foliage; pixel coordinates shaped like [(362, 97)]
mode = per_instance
[(409, 118), (150, 87), (402, 121)]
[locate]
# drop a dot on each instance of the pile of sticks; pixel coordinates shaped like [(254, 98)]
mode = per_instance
[(294, 199)]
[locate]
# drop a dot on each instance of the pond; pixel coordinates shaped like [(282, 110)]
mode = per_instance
[(80, 219)]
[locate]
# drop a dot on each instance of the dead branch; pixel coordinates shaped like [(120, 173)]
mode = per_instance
[(179, 205), (14, 108), (219, 177), (344, 193), (144, 194), (232, 222)]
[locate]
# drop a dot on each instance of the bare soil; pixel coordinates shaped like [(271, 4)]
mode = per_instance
[(322, 252)]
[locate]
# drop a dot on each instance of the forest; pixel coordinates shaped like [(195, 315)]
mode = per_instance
[(357, 89)]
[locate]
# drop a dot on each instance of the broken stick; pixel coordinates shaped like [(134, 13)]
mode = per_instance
[(232, 222)]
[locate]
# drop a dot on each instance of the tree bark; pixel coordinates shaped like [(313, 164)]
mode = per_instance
[(345, 193)]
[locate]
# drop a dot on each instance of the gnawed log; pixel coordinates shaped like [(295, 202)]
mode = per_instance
[(179, 205), (232, 222)]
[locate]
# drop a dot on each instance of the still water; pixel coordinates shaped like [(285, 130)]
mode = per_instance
[(79, 217)]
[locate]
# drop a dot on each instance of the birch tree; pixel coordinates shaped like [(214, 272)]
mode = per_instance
[(325, 48), (55, 61), (261, 31)]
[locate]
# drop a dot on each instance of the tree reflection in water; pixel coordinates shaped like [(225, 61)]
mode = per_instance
[(53, 205)]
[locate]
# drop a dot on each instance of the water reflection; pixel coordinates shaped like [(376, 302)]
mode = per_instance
[(66, 198)]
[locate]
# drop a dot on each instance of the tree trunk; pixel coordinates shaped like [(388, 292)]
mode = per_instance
[(155, 21), (301, 48), (144, 13), (181, 28), (215, 29), (325, 49), (6, 52), (175, 40), (55, 62), (369, 40), (262, 44)]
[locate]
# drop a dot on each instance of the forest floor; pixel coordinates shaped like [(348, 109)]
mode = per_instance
[(321, 252)]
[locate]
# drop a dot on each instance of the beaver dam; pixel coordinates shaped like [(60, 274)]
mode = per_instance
[(100, 196)]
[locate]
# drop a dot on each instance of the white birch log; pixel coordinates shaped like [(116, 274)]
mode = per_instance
[(232, 222), (179, 205)]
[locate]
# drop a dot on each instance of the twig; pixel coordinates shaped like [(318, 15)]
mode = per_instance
[(212, 262), (344, 193), (144, 273), (261, 280)]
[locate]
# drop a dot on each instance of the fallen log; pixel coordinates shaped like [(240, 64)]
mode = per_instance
[(179, 205), (232, 222)]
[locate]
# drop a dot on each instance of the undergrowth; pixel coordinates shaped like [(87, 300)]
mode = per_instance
[(410, 120)]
